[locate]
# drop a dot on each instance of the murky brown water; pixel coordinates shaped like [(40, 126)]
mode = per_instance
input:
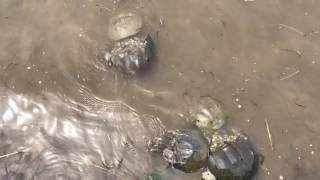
[(261, 59)]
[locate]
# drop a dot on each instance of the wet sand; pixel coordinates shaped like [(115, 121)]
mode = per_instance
[(260, 58)]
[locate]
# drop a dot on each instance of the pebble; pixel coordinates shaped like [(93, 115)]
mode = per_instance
[(207, 175), (281, 177), (312, 152)]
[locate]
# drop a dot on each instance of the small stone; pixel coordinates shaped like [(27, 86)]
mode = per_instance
[(312, 152), (153, 176), (208, 114), (168, 155), (281, 177), (207, 175), (124, 26)]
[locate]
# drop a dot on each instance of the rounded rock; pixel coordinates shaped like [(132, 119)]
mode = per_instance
[(124, 26), (208, 114), (232, 157)]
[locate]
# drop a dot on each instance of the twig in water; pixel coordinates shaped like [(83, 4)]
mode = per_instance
[(8, 155), (292, 29), (290, 75), (300, 105), (269, 134), (299, 53), (14, 153)]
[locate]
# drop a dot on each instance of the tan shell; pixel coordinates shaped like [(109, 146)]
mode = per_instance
[(124, 25)]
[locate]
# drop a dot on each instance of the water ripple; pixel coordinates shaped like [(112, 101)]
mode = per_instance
[(55, 138)]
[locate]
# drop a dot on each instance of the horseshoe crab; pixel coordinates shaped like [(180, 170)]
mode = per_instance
[(229, 155)]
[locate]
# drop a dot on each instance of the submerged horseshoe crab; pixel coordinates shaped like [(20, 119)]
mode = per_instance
[(130, 53), (229, 155)]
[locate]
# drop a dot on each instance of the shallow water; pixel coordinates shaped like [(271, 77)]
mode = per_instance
[(261, 56)]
